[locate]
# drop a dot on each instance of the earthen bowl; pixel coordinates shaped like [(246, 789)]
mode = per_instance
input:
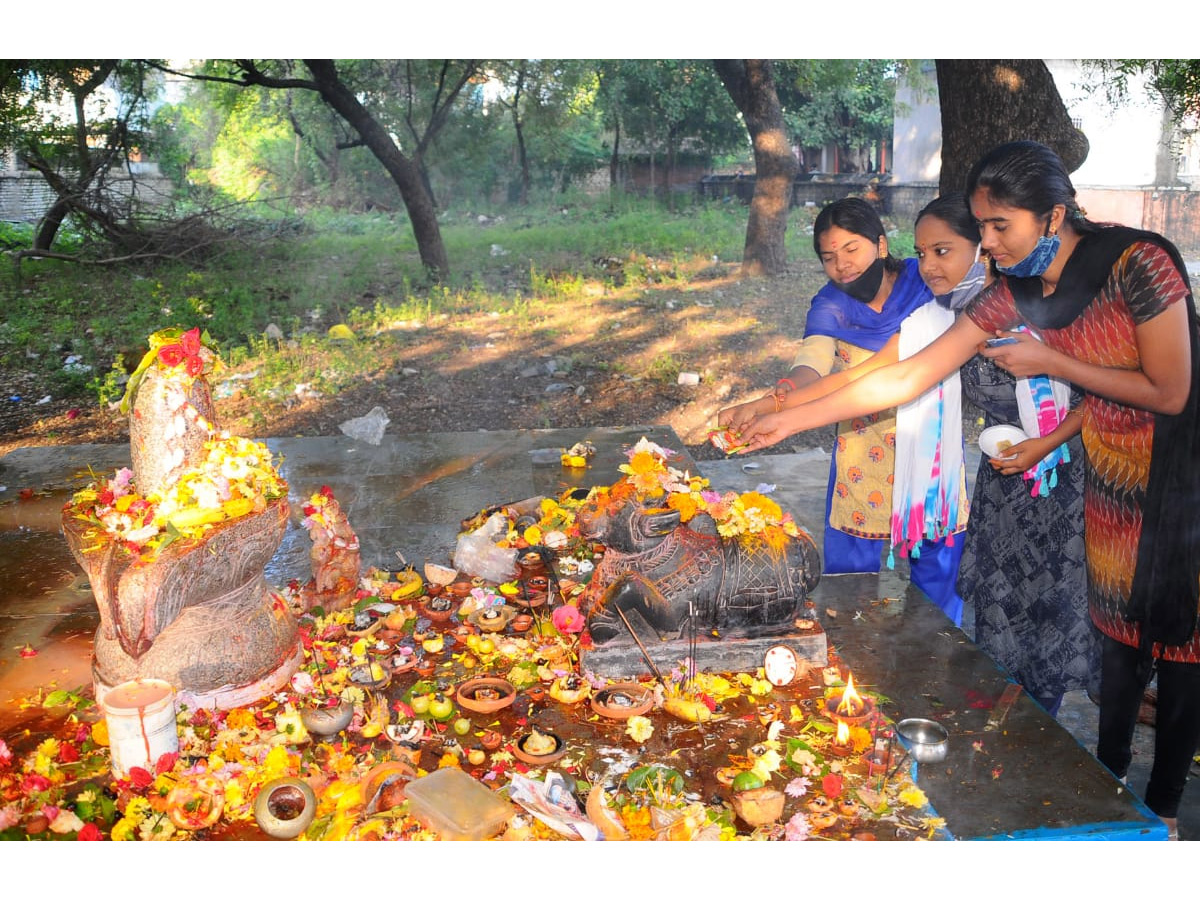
[(485, 694)]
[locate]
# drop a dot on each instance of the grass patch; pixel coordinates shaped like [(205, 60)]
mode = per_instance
[(362, 271)]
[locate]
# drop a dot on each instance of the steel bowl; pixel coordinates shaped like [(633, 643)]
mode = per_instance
[(925, 739)]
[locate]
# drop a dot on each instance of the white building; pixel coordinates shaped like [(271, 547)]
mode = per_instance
[(1141, 169)]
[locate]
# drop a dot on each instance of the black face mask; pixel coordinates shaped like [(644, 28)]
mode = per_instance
[(865, 286)]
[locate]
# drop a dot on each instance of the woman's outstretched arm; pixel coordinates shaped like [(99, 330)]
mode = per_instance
[(879, 389)]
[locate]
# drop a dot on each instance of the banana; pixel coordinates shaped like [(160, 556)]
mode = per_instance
[(600, 814), (688, 710), (409, 584)]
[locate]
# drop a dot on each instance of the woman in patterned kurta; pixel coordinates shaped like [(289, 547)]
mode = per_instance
[(1117, 318)]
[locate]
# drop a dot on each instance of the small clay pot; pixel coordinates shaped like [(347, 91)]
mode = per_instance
[(460, 589), (285, 807), (485, 695), (536, 693), (491, 739), (521, 623), (426, 667), (434, 590)]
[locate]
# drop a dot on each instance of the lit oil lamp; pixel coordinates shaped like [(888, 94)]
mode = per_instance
[(841, 740), (850, 706)]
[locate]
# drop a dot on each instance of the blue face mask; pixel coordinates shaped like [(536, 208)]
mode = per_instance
[(1038, 260)]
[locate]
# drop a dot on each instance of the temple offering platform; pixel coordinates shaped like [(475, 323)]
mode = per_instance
[(1009, 770)]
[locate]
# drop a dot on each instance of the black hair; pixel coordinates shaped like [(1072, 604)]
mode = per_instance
[(1028, 175), (858, 217), (953, 210)]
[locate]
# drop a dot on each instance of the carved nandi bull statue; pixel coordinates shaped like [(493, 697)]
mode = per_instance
[(657, 566)]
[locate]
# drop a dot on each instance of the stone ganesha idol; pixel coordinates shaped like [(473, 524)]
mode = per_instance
[(737, 563), (175, 549)]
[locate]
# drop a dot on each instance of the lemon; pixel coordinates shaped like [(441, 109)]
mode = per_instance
[(746, 781)]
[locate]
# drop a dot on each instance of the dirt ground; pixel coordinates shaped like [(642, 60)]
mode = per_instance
[(612, 359)]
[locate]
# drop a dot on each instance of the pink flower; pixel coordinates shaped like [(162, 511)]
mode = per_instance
[(568, 619), (6, 755), (797, 828), (797, 787)]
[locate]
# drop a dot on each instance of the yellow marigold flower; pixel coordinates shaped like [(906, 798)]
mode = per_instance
[(913, 796), (239, 718), (639, 728), (48, 747), (278, 763), (766, 764), (760, 687), (768, 507), (684, 504), (124, 830), (532, 535), (137, 809)]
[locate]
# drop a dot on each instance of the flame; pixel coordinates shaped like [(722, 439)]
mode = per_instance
[(843, 733), (851, 703)]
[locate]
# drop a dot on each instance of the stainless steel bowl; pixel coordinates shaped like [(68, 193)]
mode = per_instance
[(925, 739)]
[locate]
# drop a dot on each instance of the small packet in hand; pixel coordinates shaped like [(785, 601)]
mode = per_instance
[(727, 441)]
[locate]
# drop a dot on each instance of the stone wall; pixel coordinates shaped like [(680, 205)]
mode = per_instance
[(25, 196)]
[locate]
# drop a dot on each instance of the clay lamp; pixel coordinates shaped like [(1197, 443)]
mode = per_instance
[(492, 618), (841, 746), (849, 706), (530, 563), (536, 693), (439, 610), (539, 748), (521, 623), (485, 694), (623, 700), (491, 740), (426, 667), (371, 675), (460, 589), (364, 625)]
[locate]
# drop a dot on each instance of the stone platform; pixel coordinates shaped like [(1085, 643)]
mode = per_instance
[(623, 658)]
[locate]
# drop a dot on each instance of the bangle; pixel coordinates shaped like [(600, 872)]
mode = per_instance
[(791, 384), (778, 402)]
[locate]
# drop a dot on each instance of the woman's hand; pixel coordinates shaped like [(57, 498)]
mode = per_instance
[(1022, 456), (735, 417), (1024, 357), (765, 430)]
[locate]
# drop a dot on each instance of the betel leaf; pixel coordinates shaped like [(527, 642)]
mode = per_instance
[(654, 778)]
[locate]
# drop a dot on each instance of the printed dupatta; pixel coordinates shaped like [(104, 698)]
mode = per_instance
[(1042, 404), (929, 491)]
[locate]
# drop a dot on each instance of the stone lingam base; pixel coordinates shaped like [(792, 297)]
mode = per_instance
[(622, 658), (218, 656)]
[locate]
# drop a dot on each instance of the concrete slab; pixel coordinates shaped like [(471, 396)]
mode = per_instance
[(408, 494)]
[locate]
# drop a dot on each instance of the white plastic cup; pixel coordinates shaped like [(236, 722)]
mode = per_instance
[(141, 724)]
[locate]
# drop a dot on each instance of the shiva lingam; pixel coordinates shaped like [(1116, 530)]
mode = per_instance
[(175, 549)]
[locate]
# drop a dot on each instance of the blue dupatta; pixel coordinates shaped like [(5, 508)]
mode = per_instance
[(836, 314)]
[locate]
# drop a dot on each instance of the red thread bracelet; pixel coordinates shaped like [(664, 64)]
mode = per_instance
[(786, 381)]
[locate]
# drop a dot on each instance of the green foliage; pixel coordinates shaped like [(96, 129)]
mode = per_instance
[(1175, 81), (845, 101)]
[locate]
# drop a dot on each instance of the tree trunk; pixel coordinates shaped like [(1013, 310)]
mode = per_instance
[(987, 102), (403, 171), (751, 84), (614, 160)]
